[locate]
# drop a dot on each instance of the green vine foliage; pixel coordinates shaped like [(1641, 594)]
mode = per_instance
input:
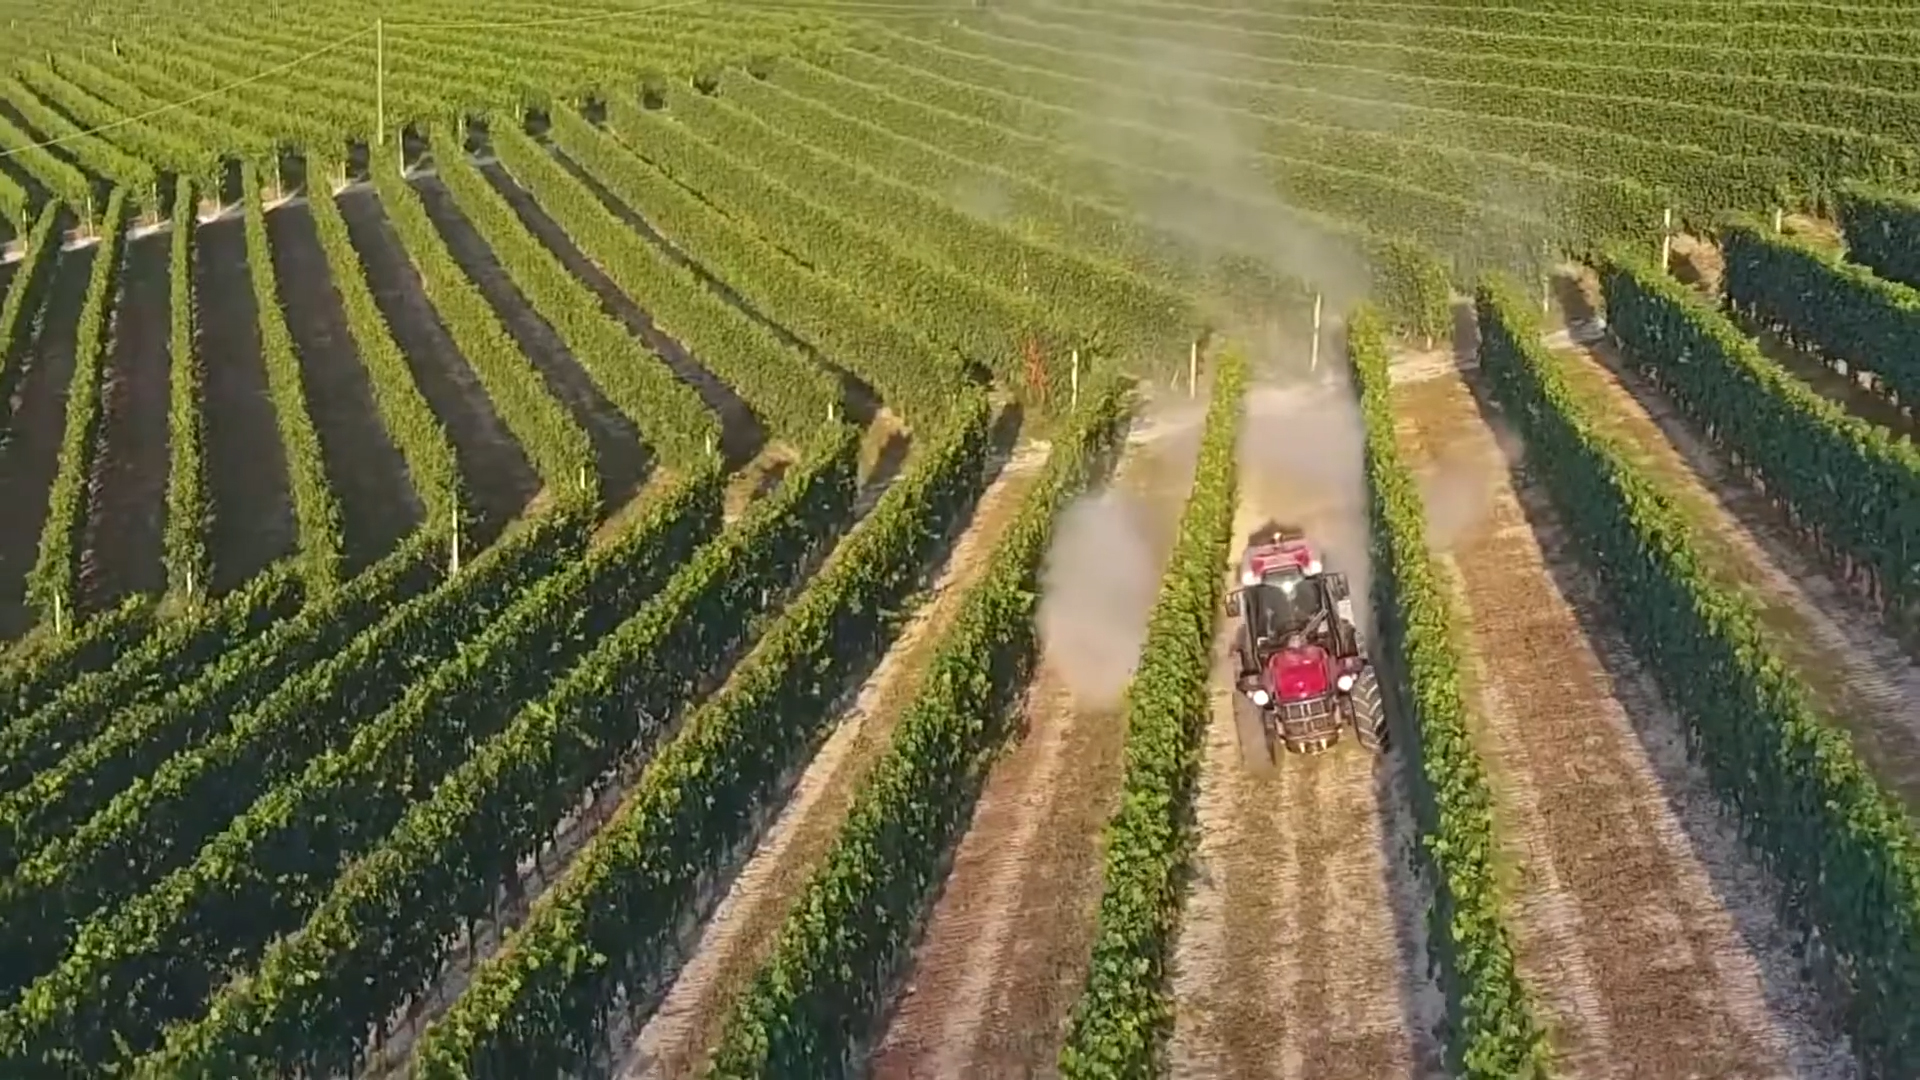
[(381, 926), (1124, 1012), (851, 929), (1821, 302), (1841, 844), (542, 1005), (1851, 480), (1495, 1033), (1882, 228)]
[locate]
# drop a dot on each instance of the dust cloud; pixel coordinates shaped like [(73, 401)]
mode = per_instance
[(1102, 573), (1302, 463)]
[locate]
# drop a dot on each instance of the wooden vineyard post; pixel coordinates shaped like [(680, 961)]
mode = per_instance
[(1313, 356), (453, 567), (1075, 403), (1666, 241), (380, 83), (1779, 219), (59, 617), (1193, 369)]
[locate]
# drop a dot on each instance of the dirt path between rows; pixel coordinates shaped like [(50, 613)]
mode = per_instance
[(494, 469), (128, 490), (1005, 950), (621, 457), (676, 1038), (33, 421), (1301, 953), (365, 468), (1645, 930), (1862, 676), (253, 522)]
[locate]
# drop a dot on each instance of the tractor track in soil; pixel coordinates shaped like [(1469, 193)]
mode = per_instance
[(1862, 675), (674, 1031), (1647, 932), (1005, 950), (1301, 952)]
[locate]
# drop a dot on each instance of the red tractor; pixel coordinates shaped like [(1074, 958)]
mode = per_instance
[(1299, 658)]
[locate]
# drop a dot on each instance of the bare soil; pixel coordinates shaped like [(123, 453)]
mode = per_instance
[(1862, 675), (1647, 932), (677, 1033), (494, 469), (741, 435), (30, 434), (128, 490), (253, 522), (1301, 951), (621, 456), (377, 501), (1005, 951)]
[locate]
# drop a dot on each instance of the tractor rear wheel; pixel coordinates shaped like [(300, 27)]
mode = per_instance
[(1369, 710)]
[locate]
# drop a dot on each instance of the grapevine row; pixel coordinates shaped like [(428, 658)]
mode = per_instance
[(986, 325), (529, 1011), (1882, 227), (316, 510), (1497, 1033), (20, 312), (1344, 182), (101, 158), (174, 653), (911, 376), (851, 926), (89, 810), (53, 583), (186, 154), (1822, 302), (1103, 306), (189, 504), (669, 414), (1841, 844), (1851, 477), (382, 935), (931, 147), (1789, 26), (1123, 1015), (439, 673), (1840, 90), (431, 466), (1700, 180), (1794, 126), (556, 446), (61, 180)]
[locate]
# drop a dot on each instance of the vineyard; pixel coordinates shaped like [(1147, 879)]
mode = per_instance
[(701, 539)]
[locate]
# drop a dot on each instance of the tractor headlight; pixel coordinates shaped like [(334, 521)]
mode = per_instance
[(1249, 578), (1344, 682), (1260, 698), (1314, 568)]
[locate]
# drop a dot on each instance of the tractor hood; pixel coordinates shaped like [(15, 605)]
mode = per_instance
[(1298, 674)]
